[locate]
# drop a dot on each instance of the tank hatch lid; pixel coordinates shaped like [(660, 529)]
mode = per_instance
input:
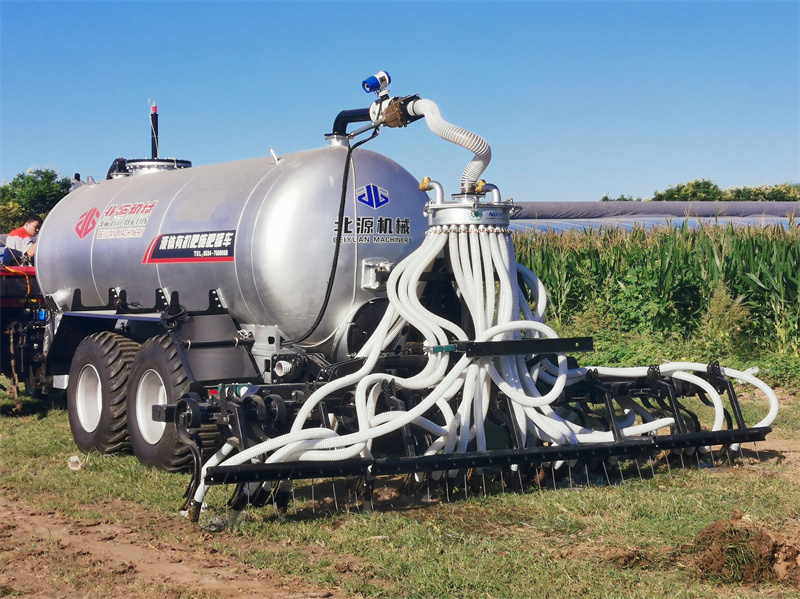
[(141, 166)]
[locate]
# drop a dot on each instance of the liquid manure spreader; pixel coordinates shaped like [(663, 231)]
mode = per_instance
[(323, 314)]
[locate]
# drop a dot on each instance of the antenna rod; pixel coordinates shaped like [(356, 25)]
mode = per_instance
[(154, 130)]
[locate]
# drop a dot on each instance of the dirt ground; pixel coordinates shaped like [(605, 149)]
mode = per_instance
[(51, 556), (739, 550), (761, 553)]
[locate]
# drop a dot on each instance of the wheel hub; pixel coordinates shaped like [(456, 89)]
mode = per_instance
[(150, 392), (89, 398)]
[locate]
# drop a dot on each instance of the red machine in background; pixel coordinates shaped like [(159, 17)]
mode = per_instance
[(22, 330)]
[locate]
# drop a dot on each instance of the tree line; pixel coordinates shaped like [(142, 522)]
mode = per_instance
[(34, 191), (705, 190)]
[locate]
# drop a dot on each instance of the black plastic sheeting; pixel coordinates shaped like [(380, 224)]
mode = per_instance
[(583, 210), (562, 216)]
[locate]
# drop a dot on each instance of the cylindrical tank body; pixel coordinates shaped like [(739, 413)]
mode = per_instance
[(260, 232)]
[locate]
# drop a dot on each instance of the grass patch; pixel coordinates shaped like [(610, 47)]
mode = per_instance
[(592, 542), (640, 539)]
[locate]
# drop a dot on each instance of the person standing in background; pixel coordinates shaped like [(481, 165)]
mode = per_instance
[(19, 243)]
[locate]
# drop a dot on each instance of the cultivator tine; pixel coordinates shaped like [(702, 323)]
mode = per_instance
[(605, 471), (741, 454), (367, 506), (651, 462), (369, 489), (700, 462), (713, 458), (683, 463), (282, 492), (669, 468), (227, 501), (274, 498), (758, 458)]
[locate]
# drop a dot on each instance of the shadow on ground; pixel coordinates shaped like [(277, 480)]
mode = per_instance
[(29, 405)]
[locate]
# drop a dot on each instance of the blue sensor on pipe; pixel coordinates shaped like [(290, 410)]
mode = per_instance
[(378, 82)]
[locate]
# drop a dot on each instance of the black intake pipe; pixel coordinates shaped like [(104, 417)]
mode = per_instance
[(345, 117)]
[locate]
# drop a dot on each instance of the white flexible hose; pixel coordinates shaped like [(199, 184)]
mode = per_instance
[(488, 269), (499, 312), (670, 367), (466, 139)]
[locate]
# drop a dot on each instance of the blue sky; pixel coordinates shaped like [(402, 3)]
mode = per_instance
[(577, 99)]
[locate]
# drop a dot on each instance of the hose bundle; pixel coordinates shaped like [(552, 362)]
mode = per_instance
[(486, 274)]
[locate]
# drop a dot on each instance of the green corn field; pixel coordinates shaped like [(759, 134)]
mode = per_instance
[(725, 282)]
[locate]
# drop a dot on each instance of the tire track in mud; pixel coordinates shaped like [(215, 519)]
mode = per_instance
[(48, 555)]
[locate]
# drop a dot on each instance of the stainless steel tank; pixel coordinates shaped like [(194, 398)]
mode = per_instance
[(261, 232)]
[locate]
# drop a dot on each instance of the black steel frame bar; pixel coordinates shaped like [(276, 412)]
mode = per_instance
[(220, 475)]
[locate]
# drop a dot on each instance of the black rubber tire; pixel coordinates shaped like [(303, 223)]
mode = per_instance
[(157, 378), (98, 379)]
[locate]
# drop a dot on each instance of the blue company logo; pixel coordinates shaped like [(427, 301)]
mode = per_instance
[(481, 214), (372, 195)]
